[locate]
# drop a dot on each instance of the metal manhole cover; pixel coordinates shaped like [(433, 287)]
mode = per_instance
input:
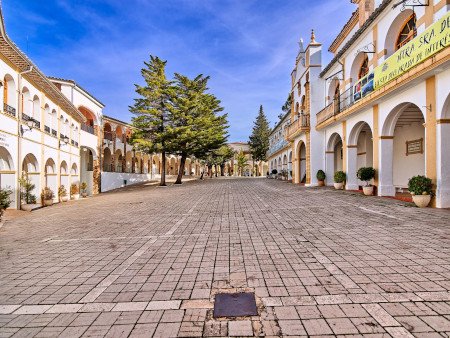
[(235, 305)]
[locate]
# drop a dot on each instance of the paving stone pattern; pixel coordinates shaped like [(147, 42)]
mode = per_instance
[(147, 261)]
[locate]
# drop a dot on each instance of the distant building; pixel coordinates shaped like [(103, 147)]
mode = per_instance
[(251, 169)]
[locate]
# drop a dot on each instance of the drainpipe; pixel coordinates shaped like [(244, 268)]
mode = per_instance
[(19, 134)]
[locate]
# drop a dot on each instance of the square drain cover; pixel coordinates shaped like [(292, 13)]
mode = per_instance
[(235, 305)]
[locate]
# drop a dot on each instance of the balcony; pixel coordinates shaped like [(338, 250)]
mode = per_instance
[(302, 124), (47, 129), (339, 104), (9, 110), (88, 129), (26, 117), (54, 132)]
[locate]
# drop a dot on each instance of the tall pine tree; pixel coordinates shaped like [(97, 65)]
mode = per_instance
[(259, 139), (151, 109)]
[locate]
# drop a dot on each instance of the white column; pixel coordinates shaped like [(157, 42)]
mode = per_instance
[(329, 167), (443, 165), (352, 160), (386, 158)]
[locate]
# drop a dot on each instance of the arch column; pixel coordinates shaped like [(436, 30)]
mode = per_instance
[(329, 166), (443, 161), (386, 171), (352, 159)]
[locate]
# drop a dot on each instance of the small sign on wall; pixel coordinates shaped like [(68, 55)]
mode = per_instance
[(414, 147), (3, 140)]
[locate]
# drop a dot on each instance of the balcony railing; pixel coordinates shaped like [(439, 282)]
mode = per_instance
[(301, 124), (47, 129), (9, 110), (88, 129), (54, 132), (339, 104), (26, 117)]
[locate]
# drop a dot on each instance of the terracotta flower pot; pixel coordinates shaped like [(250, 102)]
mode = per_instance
[(368, 190), (75, 196), (422, 201), (64, 198), (321, 183), (84, 194), (339, 186), (48, 203)]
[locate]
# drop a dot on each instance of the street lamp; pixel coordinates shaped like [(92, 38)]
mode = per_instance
[(63, 141), (30, 124)]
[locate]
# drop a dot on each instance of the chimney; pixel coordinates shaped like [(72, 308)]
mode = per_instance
[(366, 7)]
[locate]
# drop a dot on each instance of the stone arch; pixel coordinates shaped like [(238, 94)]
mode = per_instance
[(107, 159), (290, 172), (63, 168), (356, 66), (129, 161), (6, 160), (9, 93), (74, 170), (26, 102), (334, 155), (36, 108), (394, 30), (119, 132), (443, 157), (359, 152), (333, 88), (404, 125), (30, 164), (91, 118), (118, 158), (332, 140)]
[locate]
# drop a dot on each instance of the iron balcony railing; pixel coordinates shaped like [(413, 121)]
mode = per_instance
[(26, 117), (9, 110), (339, 104), (47, 129), (54, 132), (88, 129)]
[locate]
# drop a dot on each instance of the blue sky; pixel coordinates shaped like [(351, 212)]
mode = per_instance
[(248, 47)]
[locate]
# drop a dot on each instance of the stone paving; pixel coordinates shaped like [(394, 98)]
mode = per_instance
[(148, 261)]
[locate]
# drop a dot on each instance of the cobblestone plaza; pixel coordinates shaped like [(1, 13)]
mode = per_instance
[(147, 261)]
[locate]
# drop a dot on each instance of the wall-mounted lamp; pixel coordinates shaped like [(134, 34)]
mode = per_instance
[(63, 141), (30, 124)]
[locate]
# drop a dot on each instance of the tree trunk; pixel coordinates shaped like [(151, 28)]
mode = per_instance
[(222, 169), (210, 173), (201, 176), (181, 169), (215, 169), (163, 169)]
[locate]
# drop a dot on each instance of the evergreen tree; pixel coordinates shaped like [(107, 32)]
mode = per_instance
[(197, 125), (152, 109), (259, 139), (241, 160), (287, 105)]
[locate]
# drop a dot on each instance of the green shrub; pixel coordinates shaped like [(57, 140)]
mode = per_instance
[(321, 175), (420, 185), (339, 177), (83, 186), (5, 201), (47, 194), (274, 171), (62, 191), (366, 174), (74, 189), (26, 190)]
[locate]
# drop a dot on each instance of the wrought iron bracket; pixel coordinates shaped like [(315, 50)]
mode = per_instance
[(367, 49), (411, 3)]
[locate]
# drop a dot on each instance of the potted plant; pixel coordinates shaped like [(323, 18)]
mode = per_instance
[(321, 178), (74, 191), (26, 193), (420, 188), (47, 196), (62, 192), (83, 187), (339, 179), (366, 174), (5, 201), (274, 173)]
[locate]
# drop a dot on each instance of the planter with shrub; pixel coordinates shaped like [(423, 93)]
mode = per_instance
[(274, 173), (339, 179), (62, 192), (420, 188), (74, 191), (26, 193), (47, 196), (5, 200), (366, 174), (321, 178), (83, 187)]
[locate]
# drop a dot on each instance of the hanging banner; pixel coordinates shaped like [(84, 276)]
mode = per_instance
[(432, 40)]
